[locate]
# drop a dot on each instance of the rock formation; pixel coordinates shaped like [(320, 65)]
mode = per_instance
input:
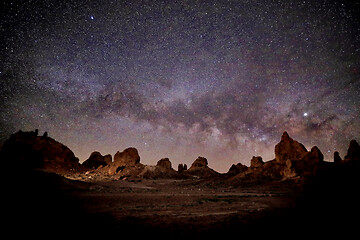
[(96, 160), (337, 157), (182, 167), (200, 168), (26, 150), (126, 159), (162, 169), (308, 165), (353, 152), (200, 162), (164, 163), (288, 148), (236, 169), (291, 160), (256, 162)]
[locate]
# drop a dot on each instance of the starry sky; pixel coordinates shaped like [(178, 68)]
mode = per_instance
[(182, 79)]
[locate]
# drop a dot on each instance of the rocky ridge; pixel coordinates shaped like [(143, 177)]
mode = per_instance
[(292, 160), (27, 150)]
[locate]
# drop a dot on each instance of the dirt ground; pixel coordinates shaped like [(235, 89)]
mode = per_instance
[(40, 202), (187, 207)]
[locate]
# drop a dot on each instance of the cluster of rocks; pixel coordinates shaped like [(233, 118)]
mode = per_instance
[(28, 150), (292, 160)]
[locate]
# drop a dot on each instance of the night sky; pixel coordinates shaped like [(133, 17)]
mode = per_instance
[(182, 79)]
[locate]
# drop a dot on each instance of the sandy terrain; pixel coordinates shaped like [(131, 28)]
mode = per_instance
[(185, 207), (42, 202)]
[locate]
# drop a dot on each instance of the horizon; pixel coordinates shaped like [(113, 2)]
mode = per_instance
[(219, 79)]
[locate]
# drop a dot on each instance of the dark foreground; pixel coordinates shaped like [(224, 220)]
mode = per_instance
[(39, 203)]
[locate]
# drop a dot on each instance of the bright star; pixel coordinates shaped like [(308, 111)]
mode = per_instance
[(305, 114)]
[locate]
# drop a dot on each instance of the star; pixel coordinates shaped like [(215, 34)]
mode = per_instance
[(197, 78)]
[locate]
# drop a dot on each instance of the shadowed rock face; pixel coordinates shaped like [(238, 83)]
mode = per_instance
[(164, 164), (353, 152), (308, 165), (337, 157), (162, 169), (200, 168), (96, 160), (256, 162), (182, 167), (26, 150), (289, 149), (200, 162), (236, 169)]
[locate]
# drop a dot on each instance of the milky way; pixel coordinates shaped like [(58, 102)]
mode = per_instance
[(182, 79)]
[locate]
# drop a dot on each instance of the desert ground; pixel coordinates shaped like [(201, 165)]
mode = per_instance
[(183, 206), (180, 208), (42, 203)]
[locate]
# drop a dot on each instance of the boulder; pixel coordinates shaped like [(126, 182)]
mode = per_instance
[(164, 163), (256, 162), (200, 162), (127, 158), (288, 148), (108, 159), (182, 167), (162, 169), (96, 160), (200, 168), (236, 169), (308, 165), (269, 171)]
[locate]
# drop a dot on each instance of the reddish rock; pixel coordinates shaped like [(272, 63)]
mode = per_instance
[(236, 169), (200, 162), (162, 169), (108, 159), (125, 159), (308, 165), (256, 162), (182, 167), (164, 163), (128, 157), (288, 149), (200, 168), (292, 160), (269, 171)]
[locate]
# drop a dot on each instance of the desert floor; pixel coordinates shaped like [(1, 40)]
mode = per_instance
[(41, 203), (189, 207)]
